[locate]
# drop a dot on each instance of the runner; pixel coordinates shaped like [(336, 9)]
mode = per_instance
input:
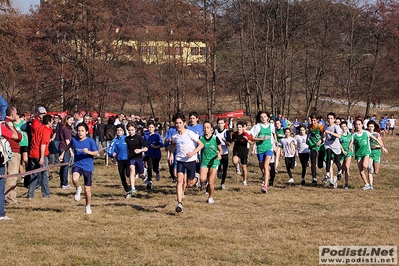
[(302, 150), (85, 149), (332, 134), (118, 150), (240, 150), (347, 154), (211, 154), (187, 145), (224, 136), (376, 147), (288, 146), (263, 133), (361, 141), (315, 135)]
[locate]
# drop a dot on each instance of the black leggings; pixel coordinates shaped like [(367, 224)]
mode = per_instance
[(124, 172), (313, 162), (224, 163), (337, 162), (289, 164), (304, 158), (152, 165)]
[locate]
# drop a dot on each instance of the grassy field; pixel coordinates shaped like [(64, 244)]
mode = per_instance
[(243, 227)]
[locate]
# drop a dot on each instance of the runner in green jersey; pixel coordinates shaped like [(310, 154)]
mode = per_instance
[(375, 156), (361, 140), (211, 154), (347, 153), (315, 139)]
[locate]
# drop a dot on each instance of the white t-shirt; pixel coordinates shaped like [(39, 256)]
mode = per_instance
[(286, 144), (185, 143), (301, 144), (331, 141)]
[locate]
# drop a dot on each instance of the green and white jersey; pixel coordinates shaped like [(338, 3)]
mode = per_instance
[(361, 143), (345, 140), (209, 154), (260, 131)]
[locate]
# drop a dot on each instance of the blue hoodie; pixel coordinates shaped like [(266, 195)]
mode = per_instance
[(119, 146)]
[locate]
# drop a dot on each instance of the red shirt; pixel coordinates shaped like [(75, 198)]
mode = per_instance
[(36, 123), (41, 136), (14, 144)]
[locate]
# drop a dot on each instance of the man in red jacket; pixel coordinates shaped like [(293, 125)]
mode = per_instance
[(38, 157), (13, 164)]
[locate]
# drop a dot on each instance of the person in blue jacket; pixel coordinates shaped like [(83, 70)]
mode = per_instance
[(152, 157), (118, 150)]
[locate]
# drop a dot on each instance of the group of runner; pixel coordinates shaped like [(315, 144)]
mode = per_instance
[(197, 153)]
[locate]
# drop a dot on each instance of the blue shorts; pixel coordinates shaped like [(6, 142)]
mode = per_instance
[(138, 164), (187, 167), (262, 156), (87, 176)]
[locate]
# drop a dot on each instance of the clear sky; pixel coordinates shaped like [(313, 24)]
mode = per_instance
[(24, 5)]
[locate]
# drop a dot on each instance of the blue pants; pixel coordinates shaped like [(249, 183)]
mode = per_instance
[(65, 169), (2, 195), (40, 178)]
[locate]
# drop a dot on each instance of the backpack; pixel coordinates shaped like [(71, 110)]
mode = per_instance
[(5, 150)]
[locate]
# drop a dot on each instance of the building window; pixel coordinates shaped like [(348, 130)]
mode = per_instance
[(194, 51), (179, 51), (203, 51), (143, 49), (153, 50)]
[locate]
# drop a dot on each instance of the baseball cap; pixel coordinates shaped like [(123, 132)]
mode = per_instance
[(41, 110)]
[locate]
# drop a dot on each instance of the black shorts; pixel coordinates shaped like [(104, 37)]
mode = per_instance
[(23, 149), (187, 168)]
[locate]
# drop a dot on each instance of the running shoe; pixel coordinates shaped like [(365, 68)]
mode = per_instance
[(303, 182), (210, 200), (264, 189), (179, 207), (77, 193), (223, 186), (291, 180), (220, 174), (149, 185), (5, 218), (238, 171), (88, 209), (244, 183), (326, 179), (346, 186), (366, 187), (339, 176), (157, 177), (314, 181)]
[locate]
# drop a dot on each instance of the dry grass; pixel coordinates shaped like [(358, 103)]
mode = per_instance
[(243, 227)]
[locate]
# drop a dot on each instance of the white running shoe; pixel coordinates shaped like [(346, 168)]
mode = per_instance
[(77, 193), (179, 207), (88, 209), (366, 187), (223, 186), (211, 200), (244, 183), (5, 218), (291, 180)]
